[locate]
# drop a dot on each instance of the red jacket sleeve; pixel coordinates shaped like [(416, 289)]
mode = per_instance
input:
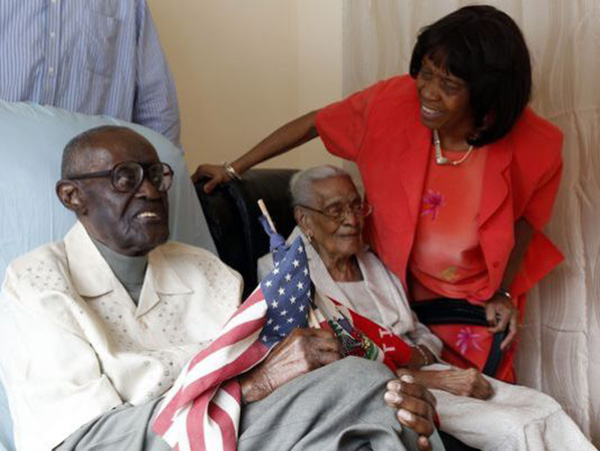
[(342, 125)]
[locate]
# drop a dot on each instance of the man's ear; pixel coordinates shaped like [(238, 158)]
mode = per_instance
[(71, 196)]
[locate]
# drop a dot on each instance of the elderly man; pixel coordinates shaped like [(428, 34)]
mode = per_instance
[(108, 318)]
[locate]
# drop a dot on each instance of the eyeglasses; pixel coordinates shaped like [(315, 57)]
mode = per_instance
[(339, 212), (129, 176)]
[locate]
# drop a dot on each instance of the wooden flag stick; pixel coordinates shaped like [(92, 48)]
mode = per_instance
[(263, 209)]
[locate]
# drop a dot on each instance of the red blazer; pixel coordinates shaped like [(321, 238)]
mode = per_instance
[(380, 129)]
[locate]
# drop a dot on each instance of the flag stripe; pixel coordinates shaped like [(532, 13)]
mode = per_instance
[(224, 411)]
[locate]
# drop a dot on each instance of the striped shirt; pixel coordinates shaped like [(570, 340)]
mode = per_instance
[(88, 56)]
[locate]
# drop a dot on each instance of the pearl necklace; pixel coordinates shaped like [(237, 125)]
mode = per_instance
[(439, 156)]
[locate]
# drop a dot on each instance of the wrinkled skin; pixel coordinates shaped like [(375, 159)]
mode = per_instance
[(459, 382), (300, 352)]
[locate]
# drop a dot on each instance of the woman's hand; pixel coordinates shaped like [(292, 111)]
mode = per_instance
[(216, 174), (415, 407), (469, 382), (459, 382), (501, 312), (300, 352)]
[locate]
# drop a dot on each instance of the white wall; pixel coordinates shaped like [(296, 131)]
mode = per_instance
[(243, 68)]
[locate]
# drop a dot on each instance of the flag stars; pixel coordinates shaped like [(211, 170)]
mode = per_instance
[(300, 249), (268, 283), (270, 321), (283, 312), (281, 291), (296, 263), (276, 271), (301, 308), (293, 300), (305, 271), (300, 285), (290, 320), (288, 277), (276, 328), (274, 304)]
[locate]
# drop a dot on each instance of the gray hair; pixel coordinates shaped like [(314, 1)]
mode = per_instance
[(301, 183)]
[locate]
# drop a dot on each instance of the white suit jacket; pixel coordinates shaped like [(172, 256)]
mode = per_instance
[(82, 344)]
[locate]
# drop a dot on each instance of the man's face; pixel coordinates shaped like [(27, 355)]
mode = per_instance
[(130, 223)]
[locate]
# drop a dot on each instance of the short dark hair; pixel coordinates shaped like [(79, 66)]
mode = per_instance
[(483, 46), (75, 152)]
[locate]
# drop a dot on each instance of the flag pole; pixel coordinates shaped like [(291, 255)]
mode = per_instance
[(263, 209)]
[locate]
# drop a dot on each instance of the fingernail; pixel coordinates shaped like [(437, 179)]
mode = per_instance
[(392, 397), (405, 415), (407, 378), (393, 385)]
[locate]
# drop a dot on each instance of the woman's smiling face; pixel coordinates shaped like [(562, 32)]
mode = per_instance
[(334, 238), (444, 99)]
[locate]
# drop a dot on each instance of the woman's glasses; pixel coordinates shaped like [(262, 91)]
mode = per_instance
[(128, 177), (339, 211)]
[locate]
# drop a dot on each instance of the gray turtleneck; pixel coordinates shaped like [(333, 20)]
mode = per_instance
[(129, 270)]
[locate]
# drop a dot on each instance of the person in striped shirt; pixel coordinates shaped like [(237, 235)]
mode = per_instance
[(92, 57)]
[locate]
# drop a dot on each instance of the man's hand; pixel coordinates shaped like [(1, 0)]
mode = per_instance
[(415, 407), (501, 312), (216, 174), (302, 351)]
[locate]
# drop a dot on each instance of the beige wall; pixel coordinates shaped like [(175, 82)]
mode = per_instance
[(243, 68)]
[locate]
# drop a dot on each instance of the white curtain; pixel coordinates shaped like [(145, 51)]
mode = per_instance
[(559, 348)]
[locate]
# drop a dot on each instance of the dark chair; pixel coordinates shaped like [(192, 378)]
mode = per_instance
[(232, 215)]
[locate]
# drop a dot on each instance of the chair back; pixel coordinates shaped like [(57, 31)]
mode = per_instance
[(232, 214)]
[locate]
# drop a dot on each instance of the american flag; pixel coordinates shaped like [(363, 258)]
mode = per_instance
[(202, 409)]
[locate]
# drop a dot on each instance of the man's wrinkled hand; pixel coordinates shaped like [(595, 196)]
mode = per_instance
[(302, 351), (415, 407)]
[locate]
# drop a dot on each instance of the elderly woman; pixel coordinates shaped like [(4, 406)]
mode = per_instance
[(461, 174), (482, 412)]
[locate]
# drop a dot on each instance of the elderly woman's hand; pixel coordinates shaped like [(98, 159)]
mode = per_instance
[(300, 352), (415, 407), (469, 382), (501, 312)]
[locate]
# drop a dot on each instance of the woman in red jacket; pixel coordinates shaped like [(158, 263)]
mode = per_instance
[(460, 173)]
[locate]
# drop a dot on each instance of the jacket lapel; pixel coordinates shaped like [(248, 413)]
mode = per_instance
[(415, 169), (90, 274), (161, 279), (496, 183)]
